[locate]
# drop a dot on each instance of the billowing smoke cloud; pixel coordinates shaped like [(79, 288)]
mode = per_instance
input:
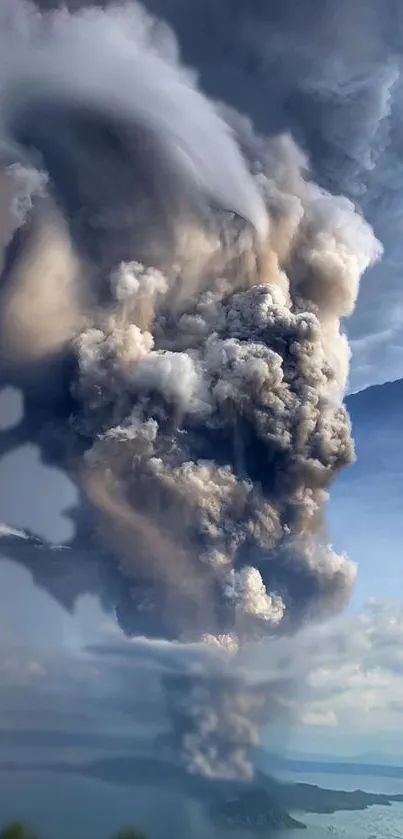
[(200, 409), (329, 71)]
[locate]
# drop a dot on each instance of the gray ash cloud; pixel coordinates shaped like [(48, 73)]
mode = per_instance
[(177, 302)]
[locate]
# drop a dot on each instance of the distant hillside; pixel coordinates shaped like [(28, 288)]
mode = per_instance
[(324, 766), (366, 509), (381, 402), (376, 415)]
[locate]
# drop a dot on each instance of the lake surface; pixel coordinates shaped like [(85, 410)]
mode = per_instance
[(374, 823), (65, 806)]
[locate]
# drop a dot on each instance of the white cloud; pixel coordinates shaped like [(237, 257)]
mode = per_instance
[(319, 717), (343, 677), (350, 673)]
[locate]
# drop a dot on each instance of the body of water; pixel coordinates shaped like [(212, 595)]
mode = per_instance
[(374, 823), (63, 806)]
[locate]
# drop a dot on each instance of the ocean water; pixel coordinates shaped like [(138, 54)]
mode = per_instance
[(65, 806)]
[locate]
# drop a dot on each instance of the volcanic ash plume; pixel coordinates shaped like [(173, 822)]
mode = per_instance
[(203, 406), (216, 428)]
